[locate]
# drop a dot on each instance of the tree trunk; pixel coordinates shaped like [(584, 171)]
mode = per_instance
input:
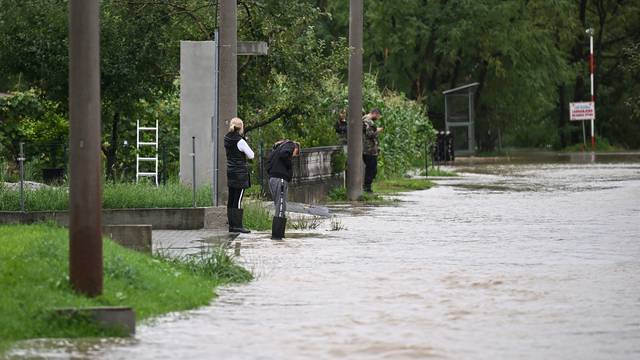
[(562, 119)]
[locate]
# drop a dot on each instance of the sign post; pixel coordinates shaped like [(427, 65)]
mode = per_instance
[(592, 68), (583, 111)]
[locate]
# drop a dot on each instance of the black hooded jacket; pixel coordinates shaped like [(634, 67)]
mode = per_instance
[(237, 169), (279, 162)]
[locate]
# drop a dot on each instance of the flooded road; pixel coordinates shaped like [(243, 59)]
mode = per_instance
[(508, 261)]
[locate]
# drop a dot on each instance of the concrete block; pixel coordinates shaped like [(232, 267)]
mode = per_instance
[(108, 317), (215, 218), (135, 237)]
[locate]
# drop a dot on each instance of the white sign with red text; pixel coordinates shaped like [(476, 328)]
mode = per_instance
[(582, 111)]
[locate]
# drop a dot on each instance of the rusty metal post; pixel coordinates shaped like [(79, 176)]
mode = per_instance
[(228, 85), (85, 248), (354, 135)]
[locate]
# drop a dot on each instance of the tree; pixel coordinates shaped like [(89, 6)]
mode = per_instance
[(529, 57)]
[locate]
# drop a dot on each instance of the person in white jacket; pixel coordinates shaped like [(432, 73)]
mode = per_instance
[(238, 179)]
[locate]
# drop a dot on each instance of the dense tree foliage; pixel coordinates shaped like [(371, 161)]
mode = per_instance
[(530, 58)]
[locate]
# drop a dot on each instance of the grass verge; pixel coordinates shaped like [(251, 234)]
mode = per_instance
[(256, 216), (437, 172), (602, 145), (383, 187), (115, 196), (393, 186), (34, 280)]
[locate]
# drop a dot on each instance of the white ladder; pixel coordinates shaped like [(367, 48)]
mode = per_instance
[(140, 144)]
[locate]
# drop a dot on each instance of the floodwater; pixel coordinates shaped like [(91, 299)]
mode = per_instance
[(511, 260)]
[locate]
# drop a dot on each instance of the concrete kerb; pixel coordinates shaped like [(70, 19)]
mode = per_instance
[(121, 318), (159, 219), (135, 237)]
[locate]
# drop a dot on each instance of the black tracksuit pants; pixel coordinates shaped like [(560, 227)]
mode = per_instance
[(235, 198), (370, 170)]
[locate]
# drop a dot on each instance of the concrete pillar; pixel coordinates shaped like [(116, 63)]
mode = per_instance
[(228, 84), (197, 107)]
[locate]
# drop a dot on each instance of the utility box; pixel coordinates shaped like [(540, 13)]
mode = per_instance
[(198, 107)]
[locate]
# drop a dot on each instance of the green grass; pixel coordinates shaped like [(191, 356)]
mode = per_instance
[(382, 187), (131, 196), (602, 145), (34, 280), (256, 216), (115, 196), (437, 172), (393, 186)]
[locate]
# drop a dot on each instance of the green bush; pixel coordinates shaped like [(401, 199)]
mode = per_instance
[(602, 144), (30, 118)]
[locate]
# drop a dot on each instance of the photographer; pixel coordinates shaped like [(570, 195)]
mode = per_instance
[(370, 147)]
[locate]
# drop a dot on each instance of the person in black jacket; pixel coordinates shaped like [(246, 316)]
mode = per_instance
[(280, 172), (238, 151)]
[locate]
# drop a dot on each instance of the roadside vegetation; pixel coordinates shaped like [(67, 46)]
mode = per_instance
[(602, 145), (380, 189), (438, 172), (34, 278)]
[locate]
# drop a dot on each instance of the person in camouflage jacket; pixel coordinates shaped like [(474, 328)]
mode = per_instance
[(370, 147)]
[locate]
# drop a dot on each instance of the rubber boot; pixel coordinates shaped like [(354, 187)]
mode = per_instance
[(278, 224), (235, 221), (230, 220)]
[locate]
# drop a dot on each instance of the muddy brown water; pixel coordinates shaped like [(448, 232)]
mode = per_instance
[(512, 260)]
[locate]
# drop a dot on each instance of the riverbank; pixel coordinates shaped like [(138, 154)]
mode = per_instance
[(34, 280)]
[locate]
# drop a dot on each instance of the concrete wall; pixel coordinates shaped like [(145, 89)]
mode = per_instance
[(197, 107), (135, 237), (313, 174), (175, 219)]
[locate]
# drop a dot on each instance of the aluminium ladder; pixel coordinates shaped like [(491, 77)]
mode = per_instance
[(140, 144)]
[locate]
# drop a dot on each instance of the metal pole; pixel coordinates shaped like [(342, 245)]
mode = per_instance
[(85, 192), (584, 136), (354, 135), (593, 97), (261, 162), (426, 158), (214, 185), (228, 86), (193, 168), (215, 124), (21, 159)]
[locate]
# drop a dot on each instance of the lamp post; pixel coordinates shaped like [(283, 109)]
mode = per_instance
[(592, 66)]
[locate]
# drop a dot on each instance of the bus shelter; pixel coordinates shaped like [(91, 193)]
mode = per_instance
[(459, 117)]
